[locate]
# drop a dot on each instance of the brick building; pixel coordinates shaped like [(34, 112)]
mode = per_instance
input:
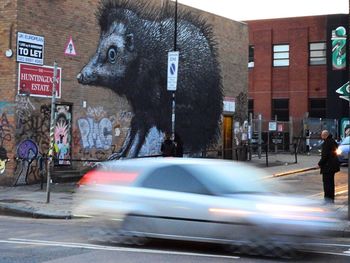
[(292, 70), (91, 122)]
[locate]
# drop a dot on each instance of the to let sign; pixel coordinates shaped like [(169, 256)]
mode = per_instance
[(38, 80), (30, 48)]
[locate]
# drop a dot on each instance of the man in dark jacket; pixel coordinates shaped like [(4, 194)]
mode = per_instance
[(329, 165), (168, 147)]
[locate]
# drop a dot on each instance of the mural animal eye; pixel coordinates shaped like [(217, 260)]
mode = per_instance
[(112, 55)]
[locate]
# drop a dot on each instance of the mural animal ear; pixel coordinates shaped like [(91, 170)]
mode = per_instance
[(129, 42)]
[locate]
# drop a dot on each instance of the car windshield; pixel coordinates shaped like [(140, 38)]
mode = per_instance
[(229, 179), (345, 141)]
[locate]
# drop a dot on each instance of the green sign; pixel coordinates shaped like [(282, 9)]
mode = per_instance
[(344, 91), (339, 48)]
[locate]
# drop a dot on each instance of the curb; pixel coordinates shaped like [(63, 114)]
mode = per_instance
[(27, 212), (296, 171)]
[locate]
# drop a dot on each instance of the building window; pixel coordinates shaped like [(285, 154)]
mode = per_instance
[(317, 108), (280, 108), (317, 53), (280, 55), (251, 107), (251, 57)]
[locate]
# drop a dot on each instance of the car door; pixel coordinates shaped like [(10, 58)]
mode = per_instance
[(177, 203)]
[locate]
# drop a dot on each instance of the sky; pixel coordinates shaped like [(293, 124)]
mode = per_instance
[(240, 10)]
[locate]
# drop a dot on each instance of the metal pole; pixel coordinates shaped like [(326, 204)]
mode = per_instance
[(52, 136), (259, 134), (173, 93), (291, 135), (349, 169), (276, 135)]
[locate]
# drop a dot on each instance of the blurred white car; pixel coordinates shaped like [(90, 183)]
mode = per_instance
[(343, 150), (214, 201)]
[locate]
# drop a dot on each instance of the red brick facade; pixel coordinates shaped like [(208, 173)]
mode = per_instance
[(297, 82)]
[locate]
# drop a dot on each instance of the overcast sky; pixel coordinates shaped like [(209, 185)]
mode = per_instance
[(261, 9)]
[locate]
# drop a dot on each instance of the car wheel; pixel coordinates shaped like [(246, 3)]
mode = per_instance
[(129, 233)]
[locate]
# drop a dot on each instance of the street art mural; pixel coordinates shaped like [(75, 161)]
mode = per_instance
[(3, 160), (131, 59), (6, 132), (96, 129), (99, 133), (32, 130), (27, 151), (63, 134)]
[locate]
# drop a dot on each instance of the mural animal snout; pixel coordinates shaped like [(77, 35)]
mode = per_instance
[(86, 77)]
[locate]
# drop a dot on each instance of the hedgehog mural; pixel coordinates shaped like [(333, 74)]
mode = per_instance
[(131, 59)]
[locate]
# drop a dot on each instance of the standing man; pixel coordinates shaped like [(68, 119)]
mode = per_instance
[(168, 147), (329, 165)]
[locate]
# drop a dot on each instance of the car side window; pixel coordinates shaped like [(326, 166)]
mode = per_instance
[(174, 178)]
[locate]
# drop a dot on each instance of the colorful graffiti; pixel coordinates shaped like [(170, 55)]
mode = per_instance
[(7, 107), (36, 127), (32, 124), (131, 61), (27, 151), (63, 134), (3, 159)]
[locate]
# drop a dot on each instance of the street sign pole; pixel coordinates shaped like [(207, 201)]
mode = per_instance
[(52, 136), (174, 97)]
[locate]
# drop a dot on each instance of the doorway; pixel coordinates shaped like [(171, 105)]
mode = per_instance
[(227, 137)]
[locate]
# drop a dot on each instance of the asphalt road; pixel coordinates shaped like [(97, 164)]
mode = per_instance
[(64, 241)]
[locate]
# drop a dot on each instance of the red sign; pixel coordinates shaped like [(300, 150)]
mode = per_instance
[(38, 80)]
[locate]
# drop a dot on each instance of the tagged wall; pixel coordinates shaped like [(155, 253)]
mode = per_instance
[(100, 120)]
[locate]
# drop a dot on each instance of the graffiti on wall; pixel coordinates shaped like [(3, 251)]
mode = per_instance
[(3, 159), (131, 60), (32, 128), (6, 132), (6, 129), (96, 130), (99, 133), (24, 107), (62, 134), (7, 107), (35, 126), (27, 151)]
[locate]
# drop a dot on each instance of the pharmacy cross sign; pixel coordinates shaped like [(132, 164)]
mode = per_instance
[(344, 91)]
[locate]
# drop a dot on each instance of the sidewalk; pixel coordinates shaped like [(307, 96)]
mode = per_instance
[(30, 200)]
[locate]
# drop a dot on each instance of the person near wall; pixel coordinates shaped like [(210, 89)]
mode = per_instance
[(179, 146), (329, 165), (168, 147)]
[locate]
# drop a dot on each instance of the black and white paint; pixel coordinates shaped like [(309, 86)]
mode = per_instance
[(131, 59)]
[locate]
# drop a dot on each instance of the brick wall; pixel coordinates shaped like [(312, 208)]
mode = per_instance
[(57, 21), (298, 82)]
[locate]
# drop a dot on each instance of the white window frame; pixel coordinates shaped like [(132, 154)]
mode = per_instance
[(317, 53), (280, 55)]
